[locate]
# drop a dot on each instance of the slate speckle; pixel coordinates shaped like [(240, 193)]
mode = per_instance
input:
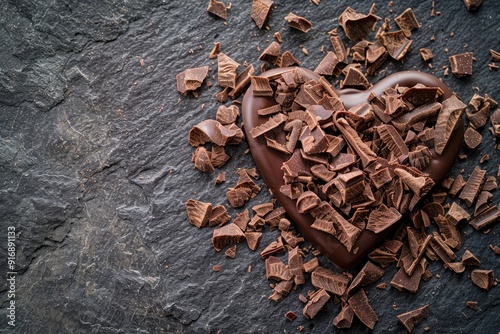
[(95, 168)]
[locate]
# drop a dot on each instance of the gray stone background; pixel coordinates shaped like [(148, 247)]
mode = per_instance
[(95, 167)]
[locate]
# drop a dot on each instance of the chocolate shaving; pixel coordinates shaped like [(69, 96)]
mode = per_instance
[(226, 235), (361, 307), (328, 64), (441, 248), (287, 59), (338, 47), (457, 185), (472, 304), (375, 57), (461, 64), (298, 22), (456, 214), (470, 259), (356, 25), (261, 86), (381, 218), (472, 5), (495, 55), (411, 318), (316, 302), (366, 155), (449, 231), (402, 281), (483, 202), (242, 220), (221, 177), (367, 275), (212, 131), (260, 11), (218, 216), (396, 43), (295, 265), (271, 54), (326, 279), (190, 79), (420, 157), (407, 22), (473, 186), (355, 79), (202, 160), (218, 158), (393, 141), (274, 247), (272, 123), (486, 218), (449, 117), (277, 270), (218, 9), (482, 278), (242, 82), (420, 185), (198, 212), (253, 239), (231, 252), (404, 122), (344, 318), (227, 115)]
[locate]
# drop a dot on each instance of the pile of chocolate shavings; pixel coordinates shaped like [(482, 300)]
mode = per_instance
[(370, 176)]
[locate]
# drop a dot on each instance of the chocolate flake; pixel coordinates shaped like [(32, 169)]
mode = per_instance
[(411, 318), (326, 279), (242, 82), (338, 47), (277, 270), (361, 307), (472, 304), (344, 318), (287, 59), (483, 278), (290, 315), (274, 247), (486, 218), (403, 281), (316, 302), (495, 249), (407, 22), (461, 64), (473, 186), (456, 214), (253, 239), (202, 160), (396, 43), (261, 86), (393, 141), (190, 79), (355, 79), (221, 177), (472, 138), (226, 71), (212, 131), (450, 115), (356, 25), (260, 11), (198, 212), (298, 22), (231, 252), (328, 64), (227, 115), (472, 5), (457, 185), (215, 51), (218, 216), (307, 201), (226, 235), (218, 158), (426, 54), (271, 54), (218, 9), (495, 55), (381, 218), (272, 123), (368, 274), (470, 259), (483, 202)]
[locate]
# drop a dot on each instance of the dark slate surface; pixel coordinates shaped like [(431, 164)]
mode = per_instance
[(95, 168)]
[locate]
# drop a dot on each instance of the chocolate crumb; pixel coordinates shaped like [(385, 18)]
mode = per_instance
[(290, 315), (495, 55), (411, 318), (495, 249), (461, 64), (231, 252), (298, 22), (472, 304), (215, 51), (426, 54), (472, 5), (382, 286), (260, 11), (220, 178), (344, 318), (483, 278), (216, 267)]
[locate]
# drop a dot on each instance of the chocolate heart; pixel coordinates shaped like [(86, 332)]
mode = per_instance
[(270, 161)]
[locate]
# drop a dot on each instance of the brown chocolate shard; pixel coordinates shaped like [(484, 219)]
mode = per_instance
[(486, 218), (449, 232), (238, 197), (212, 131), (253, 239), (382, 218), (218, 9), (420, 185), (366, 155), (450, 115), (215, 51), (495, 249), (375, 57), (483, 202), (441, 248), (495, 55), (426, 54), (226, 71), (218, 216), (392, 139), (316, 302), (272, 53), (261, 86), (272, 123), (242, 82), (323, 278), (461, 64), (290, 315), (226, 235), (198, 212), (470, 259), (367, 275), (307, 201), (328, 64), (277, 270), (227, 115), (472, 304), (263, 209), (411, 318), (457, 185), (356, 25), (344, 318), (202, 160), (361, 307), (472, 138), (287, 59), (218, 158), (396, 43), (420, 157), (403, 281), (338, 46), (473, 186), (221, 177), (407, 22), (456, 214), (298, 22), (472, 5), (190, 79), (355, 79), (242, 220), (483, 278), (260, 11), (275, 247), (407, 120)]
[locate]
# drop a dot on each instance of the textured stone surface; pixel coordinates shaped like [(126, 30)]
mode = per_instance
[(95, 168)]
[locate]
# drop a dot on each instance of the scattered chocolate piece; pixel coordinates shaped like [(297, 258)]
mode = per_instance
[(220, 178), (495, 249), (231, 252), (287, 59), (227, 115), (354, 79), (361, 307), (328, 64), (472, 5), (290, 315), (483, 278), (260, 11), (214, 132), (486, 218), (396, 43), (456, 214), (461, 64), (382, 286), (402, 281), (216, 267), (316, 302), (338, 46), (271, 54), (261, 86), (368, 274), (382, 218), (426, 54), (483, 202), (450, 115), (190, 79), (495, 55), (277, 270), (298, 22), (275, 247), (311, 265), (198, 212), (356, 25), (202, 160), (344, 318), (457, 185), (253, 239), (226, 235), (242, 82), (472, 138), (226, 71), (215, 51), (218, 216), (326, 279), (218, 9), (472, 304), (470, 259), (473, 186), (407, 22), (411, 318)]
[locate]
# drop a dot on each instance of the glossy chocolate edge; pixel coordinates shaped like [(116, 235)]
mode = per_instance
[(273, 175)]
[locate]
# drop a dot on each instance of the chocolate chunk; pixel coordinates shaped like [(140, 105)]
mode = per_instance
[(407, 22), (227, 115), (344, 318), (226, 71), (472, 5), (403, 281), (326, 279), (375, 57), (307, 201), (201, 158), (287, 59), (472, 138), (260, 11), (212, 131), (272, 123), (355, 79), (253, 239), (238, 197), (393, 141), (271, 54), (426, 54), (483, 202), (456, 214), (290, 315), (263, 209), (295, 265), (495, 249), (486, 218), (338, 46), (274, 217), (316, 302), (190, 79), (449, 231), (242, 82), (404, 122), (298, 22), (420, 157), (419, 184), (218, 157), (218, 216), (457, 185), (461, 64), (450, 115), (366, 155), (260, 86), (198, 212), (277, 270), (473, 186), (367, 275), (483, 278), (231, 252), (495, 55), (411, 318), (328, 64), (441, 248), (361, 307), (396, 43), (274, 247), (218, 9), (215, 51), (226, 235), (356, 25), (381, 218), (470, 259), (220, 178), (242, 220)]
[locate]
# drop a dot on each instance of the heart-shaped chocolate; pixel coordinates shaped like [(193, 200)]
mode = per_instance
[(270, 161)]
